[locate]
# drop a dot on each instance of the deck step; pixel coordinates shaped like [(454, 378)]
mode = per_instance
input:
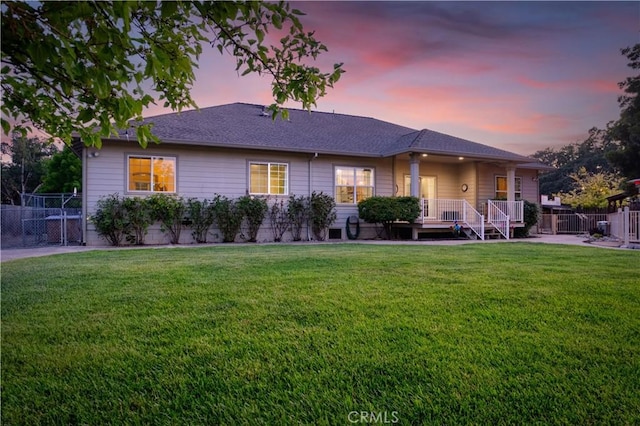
[(491, 233)]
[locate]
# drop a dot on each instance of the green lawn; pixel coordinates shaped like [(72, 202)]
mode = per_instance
[(309, 334)]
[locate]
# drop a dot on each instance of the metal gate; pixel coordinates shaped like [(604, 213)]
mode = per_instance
[(43, 219)]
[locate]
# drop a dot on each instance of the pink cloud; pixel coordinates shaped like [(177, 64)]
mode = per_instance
[(598, 86)]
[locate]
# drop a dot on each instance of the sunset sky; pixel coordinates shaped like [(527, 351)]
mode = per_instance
[(520, 76)]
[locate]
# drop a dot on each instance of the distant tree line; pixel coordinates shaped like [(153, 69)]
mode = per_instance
[(589, 171), (33, 165)]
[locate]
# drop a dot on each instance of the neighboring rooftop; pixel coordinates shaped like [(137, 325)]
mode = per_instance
[(244, 125)]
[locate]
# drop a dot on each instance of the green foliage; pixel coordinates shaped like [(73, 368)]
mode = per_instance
[(110, 219), (138, 217), (63, 173), (591, 189), (591, 154), (253, 209), (626, 130), (279, 219), (321, 214), (74, 67), (170, 211), (201, 217), (298, 213), (377, 210), (531, 215), (228, 217), (387, 210), (25, 171), (408, 208)]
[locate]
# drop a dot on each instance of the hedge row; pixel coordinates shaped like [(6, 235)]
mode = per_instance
[(119, 219)]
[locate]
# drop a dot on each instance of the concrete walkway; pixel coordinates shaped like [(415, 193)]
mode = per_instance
[(20, 253)]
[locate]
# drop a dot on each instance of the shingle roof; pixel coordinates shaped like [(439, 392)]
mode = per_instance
[(433, 142), (246, 126)]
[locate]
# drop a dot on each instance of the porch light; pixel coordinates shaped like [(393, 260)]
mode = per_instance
[(460, 158), (425, 155)]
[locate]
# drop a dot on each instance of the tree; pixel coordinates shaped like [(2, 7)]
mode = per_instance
[(80, 66), (27, 167), (63, 173), (589, 154), (626, 131), (591, 189)]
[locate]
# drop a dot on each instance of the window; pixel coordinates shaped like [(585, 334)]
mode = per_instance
[(353, 184), (501, 188), (427, 186), (268, 178), (151, 174)]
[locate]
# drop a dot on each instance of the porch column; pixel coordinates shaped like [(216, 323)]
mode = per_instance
[(415, 174), (511, 183)]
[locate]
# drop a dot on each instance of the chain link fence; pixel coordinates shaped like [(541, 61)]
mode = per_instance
[(42, 219)]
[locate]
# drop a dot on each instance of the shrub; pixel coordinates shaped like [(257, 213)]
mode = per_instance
[(227, 217), (531, 213), (110, 219), (279, 220), (201, 217), (408, 208), (321, 214), (253, 209), (387, 210), (138, 216), (298, 213), (169, 210)]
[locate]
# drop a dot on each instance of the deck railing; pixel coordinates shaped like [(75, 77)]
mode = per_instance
[(441, 210), (500, 214), (498, 218), (474, 220), (513, 209)]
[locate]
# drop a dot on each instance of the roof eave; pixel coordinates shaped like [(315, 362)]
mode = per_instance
[(475, 156), (255, 148)]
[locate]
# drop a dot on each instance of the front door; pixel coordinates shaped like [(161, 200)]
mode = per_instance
[(427, 191)]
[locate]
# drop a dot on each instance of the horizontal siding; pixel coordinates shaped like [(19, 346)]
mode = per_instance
[(449, 178), (204, 172), (488, 173)]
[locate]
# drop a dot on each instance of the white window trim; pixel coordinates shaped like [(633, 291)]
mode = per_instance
[(151, 157), (355, 185), (407, 193), (269, 164), (495, 186)]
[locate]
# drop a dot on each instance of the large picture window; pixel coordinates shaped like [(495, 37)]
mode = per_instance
[(354, 184), (151, 174), (269, 178), (501, 188)]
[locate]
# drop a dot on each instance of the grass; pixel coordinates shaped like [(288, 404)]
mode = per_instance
[(288, 334)]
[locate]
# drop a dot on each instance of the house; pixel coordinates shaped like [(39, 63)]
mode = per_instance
[(237, 149)]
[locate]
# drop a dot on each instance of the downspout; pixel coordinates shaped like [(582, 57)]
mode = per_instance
[(394, 182), (85, 196), (310, 172)]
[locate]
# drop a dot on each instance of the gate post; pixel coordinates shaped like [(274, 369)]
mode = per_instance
[(627, 226)]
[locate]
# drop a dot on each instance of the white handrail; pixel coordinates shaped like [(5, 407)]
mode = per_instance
[(498, 218), (473, 219), (443, 210), (514, 209)]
